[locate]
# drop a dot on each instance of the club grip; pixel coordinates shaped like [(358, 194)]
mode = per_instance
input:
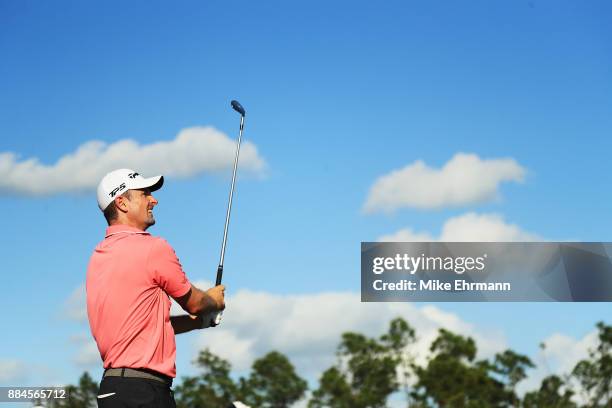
[(219, 275)]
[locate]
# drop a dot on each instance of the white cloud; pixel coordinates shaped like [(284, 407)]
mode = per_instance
[(559, 357), (469, 227), (12, 371), (86, 354), (307, 328), (194, 150), (407, 235), (483, 227), (565, 351), (75, 307), (463, 180)]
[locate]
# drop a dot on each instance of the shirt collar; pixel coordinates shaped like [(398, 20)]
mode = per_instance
[(118, 228)]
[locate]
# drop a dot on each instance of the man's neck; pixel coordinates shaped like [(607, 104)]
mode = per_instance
[(129, 224)]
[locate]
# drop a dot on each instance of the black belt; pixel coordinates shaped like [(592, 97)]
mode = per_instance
[(138, 373)]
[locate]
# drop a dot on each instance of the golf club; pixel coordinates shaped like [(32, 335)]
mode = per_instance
[(216, 317)]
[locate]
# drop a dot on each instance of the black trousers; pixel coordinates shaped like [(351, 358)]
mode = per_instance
[(126, 392)]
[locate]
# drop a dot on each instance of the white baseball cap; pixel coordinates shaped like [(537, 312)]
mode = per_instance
[(119, 181)]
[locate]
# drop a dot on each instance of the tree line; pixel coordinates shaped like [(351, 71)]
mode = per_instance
[(368, 371)]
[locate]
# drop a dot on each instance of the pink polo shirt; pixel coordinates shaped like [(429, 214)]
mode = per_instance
[(130, 277)]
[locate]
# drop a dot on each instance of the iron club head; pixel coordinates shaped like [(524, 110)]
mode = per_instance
[(238, 107)]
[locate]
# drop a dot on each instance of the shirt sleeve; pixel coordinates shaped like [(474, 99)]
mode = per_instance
[(166, 269)]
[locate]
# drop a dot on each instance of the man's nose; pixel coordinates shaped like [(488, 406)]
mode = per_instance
[(153, 200)]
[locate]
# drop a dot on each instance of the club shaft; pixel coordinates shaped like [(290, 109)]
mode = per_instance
[(229, 205)]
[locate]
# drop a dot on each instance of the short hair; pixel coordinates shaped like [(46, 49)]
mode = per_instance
[(111, 213)]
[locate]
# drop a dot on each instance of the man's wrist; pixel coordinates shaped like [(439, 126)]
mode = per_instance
[(210, 307)]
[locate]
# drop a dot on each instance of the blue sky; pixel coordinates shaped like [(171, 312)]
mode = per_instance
[(338, 94)]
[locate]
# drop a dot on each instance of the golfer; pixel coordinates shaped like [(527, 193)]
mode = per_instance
[(130, 278)]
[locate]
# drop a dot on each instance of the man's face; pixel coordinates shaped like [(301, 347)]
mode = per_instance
[(140, 208)]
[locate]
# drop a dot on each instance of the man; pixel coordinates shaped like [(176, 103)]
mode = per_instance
[(130, 278)]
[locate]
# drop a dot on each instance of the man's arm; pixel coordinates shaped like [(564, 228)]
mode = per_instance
[(185, 323), (198, 302)]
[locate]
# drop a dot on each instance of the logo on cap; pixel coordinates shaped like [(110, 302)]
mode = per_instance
[(116, 190), (133, 175)]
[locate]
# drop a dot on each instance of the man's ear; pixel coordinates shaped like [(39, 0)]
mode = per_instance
[(121, 203)]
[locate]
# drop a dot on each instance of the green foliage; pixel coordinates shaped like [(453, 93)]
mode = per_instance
[(399, 336), (371, 368), (334, 391), (448, 344), (549, 395), (367, 372), (595, 373), (451, 378), (83, 395), (273, 383), (398, 340), (513, 366), (213, 388)]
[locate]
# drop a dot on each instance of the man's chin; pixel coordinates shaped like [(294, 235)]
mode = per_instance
[(150, 222)]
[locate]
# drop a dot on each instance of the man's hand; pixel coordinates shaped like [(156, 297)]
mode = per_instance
[(217, 294)]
